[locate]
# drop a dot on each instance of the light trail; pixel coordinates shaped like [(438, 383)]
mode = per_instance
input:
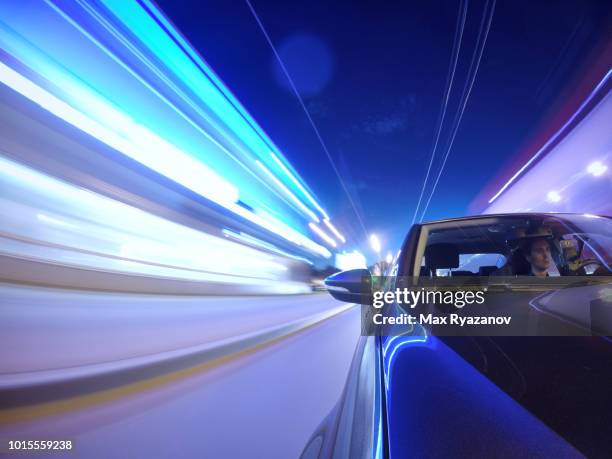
[(144, 87), (334, 230), (554, 137), (181, 94), (299, 185), (322, 234), (129, 138), (61, 224), (286, 190)]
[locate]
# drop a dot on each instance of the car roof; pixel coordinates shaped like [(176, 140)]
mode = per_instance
[(509, 214)]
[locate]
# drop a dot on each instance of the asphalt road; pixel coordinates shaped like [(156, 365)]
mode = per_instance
[(121, 394)]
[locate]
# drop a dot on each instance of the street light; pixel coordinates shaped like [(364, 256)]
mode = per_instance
[(597, 168), (553, 196), (375, 243)]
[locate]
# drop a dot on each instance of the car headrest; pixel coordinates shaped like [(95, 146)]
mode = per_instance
[(486, 270), (462, 273), (441, 256)]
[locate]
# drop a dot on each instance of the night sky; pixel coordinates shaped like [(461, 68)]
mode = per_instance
[(372, 75)]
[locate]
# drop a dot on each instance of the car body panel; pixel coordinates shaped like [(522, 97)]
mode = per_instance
[(504, 396), (439, 405)]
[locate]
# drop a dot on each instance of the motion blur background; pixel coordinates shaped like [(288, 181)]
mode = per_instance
[(177, 178)]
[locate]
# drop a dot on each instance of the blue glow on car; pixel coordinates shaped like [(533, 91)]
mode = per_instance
[(393, 344)]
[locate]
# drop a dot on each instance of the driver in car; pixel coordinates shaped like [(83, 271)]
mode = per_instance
[(534, 254), (537, 253)]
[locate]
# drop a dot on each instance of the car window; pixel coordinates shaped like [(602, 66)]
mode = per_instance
[(474, 263), (587, 251), (518, 245)]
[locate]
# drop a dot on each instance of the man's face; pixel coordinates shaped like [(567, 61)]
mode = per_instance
[(539, 256)]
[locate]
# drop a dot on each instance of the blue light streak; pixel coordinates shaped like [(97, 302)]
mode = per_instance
[(161, 38), (295, 180), (193, 130), (395, 343), (286, 190)]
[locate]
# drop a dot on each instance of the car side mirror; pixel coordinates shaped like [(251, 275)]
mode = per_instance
[(352, 286)]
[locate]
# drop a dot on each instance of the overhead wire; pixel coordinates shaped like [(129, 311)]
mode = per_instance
[(452, 67), (467, 89)]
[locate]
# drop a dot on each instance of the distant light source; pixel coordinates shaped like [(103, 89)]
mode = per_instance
[(375, 243), (597, 168), (322, 234), (351, 260), (389, 257), (553, 196)]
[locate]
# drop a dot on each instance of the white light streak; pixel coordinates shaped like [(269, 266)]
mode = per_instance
[(299, 185), (133, 140), (288, 192), (144, 146), (322, 234), (333, 229)]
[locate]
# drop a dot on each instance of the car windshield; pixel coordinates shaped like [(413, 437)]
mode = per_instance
[(549, 245)]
